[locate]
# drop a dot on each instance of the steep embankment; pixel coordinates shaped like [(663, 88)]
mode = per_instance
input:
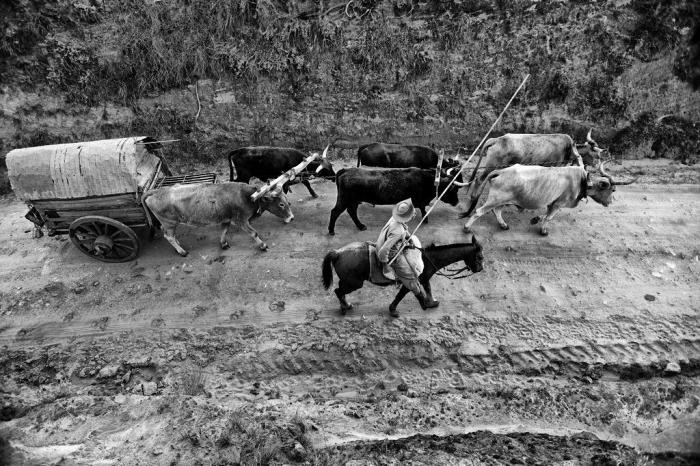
[(221, 74)]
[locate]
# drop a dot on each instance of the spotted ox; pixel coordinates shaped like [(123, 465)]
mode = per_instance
[(222, 204), (531, 149), (534, 187)]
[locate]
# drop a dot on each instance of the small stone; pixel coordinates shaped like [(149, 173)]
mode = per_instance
[(650, 297), (80, 289), (402, 387), (543, 289), (95, 283), (143, 361), (299, 449), (149, 388), (108, 371), (126, 378), (673, 368)]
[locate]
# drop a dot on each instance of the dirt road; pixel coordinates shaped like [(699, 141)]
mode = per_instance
[(595, 328)]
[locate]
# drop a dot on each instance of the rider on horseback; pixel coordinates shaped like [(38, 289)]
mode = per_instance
[(408, 265)]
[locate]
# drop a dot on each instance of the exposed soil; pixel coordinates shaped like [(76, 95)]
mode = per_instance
[(581, 347)]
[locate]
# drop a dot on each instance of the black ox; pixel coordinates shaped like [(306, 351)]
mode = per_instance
[(266, 163), (379, 154), (384, 187)]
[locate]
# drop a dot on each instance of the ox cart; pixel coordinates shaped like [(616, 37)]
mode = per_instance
[(93, 191)]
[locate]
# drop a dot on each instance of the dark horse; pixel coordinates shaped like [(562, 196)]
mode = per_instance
[(351, 263)]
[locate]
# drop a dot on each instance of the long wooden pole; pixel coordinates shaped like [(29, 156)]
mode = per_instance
[(462, 167)]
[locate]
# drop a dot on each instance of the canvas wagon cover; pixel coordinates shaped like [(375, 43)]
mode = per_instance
[(82, 169)]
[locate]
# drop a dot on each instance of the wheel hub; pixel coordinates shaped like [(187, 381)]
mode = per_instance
[(103, 244)]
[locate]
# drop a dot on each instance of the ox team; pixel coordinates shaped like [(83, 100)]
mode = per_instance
[(528, 171)]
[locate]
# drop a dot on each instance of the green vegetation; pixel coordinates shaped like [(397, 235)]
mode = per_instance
[(399, 62)]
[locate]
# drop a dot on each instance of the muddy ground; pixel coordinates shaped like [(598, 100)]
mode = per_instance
[(581, 347)]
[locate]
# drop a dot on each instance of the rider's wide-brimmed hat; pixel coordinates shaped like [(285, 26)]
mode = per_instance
[(403, 211)]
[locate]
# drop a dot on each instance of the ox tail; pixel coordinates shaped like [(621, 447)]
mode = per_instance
[(479, 192), (232, 166), (490, 142), (326, 269)]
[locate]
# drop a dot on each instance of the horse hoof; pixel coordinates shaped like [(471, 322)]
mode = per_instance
[(225, 246), (362, 228), (331, 233), (263, 247), (544, 232), (467, 229), (504, 227), (183, 254), (393, 313)]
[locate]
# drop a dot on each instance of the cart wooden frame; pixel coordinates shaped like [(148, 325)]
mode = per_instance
[(93, 191)]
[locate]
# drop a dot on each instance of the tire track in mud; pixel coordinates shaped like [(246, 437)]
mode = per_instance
[(616, 349), (629, 360)]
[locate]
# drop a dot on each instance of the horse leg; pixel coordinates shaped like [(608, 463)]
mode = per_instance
[(399, 296), (344, 288)]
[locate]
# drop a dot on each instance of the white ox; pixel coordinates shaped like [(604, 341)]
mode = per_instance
[(534, 187), (531, 149), (220, 204)]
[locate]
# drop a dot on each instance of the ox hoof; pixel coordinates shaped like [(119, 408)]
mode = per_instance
[(362, 227), (183, 254), (331, 233), (467, 229), (393, 312), (263, 247), (504, 227), (544, 232), (534, 220), (344, 309), (225, 245)]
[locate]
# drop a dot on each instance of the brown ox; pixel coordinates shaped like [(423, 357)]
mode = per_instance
[(531, 149), (534, 187), (220, 204)]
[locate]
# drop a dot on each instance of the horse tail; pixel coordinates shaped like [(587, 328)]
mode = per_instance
[(327, 271)]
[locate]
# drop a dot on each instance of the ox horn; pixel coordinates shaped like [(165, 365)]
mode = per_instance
[(613, 182), (450, 171), (589, 138), (325, 152), (462, 184)]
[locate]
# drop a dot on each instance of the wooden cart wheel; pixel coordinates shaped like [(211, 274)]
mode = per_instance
[(104, 239)]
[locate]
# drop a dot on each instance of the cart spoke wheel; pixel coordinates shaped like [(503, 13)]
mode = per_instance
[(104, 239)]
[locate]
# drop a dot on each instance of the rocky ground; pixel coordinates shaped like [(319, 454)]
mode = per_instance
[(581, 347)]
